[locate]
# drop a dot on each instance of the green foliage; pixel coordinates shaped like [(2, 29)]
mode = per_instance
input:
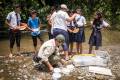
[(109, 8)]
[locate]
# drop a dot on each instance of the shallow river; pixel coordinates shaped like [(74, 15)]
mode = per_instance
[(21, 68)]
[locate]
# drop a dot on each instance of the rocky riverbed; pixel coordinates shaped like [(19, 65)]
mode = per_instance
[(22, 68)]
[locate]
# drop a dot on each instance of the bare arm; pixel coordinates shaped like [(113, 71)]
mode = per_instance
[(29, 28), (8, 23), (44, 56), (69, 30), (49, 22), (50, 67), (71, 18), (48, 19)]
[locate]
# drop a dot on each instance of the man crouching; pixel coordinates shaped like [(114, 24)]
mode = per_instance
[(49, 52)]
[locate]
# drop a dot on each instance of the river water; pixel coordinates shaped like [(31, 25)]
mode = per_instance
[(26, 43), (21, 68)]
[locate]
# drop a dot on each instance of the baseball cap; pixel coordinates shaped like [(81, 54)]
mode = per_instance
[(60, 38), (63, 6)]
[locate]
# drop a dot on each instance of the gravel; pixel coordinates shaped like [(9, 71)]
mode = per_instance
[(22, 68)]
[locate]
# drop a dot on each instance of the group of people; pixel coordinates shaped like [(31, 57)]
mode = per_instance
[(64, 28), (13, 20), (71, 24)]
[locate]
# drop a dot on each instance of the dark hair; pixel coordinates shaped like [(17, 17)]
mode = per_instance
[(17, 6), (99, 14), (52, 9), (99, 19), (33, 11), (71, 11), (79, 11)]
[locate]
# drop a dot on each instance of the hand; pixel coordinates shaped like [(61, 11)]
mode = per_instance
[(49, 65), (17, 27), (64, 62), (31, 30), (14, 28), (70, 31), (10, 55), (51, 68), (75, 14)]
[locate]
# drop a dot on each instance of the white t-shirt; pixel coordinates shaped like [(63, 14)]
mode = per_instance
[(80, 20), (60, 20), (13, 19)]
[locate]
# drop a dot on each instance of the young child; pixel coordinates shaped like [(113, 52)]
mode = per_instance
[(34, 26), (71, 27), (96, 36), (80, 22)]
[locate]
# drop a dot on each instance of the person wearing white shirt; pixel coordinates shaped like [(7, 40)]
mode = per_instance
[(49, 52), (80, 22), (71, 27), (60, 25), (13, 21)]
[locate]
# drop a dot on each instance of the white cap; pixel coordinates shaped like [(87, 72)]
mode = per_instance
[(64, 6)]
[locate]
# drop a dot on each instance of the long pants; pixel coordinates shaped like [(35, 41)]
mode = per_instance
[(14, 36), (57, 31)]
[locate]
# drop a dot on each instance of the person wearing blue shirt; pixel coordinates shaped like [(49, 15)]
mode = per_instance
[(34, 26)]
